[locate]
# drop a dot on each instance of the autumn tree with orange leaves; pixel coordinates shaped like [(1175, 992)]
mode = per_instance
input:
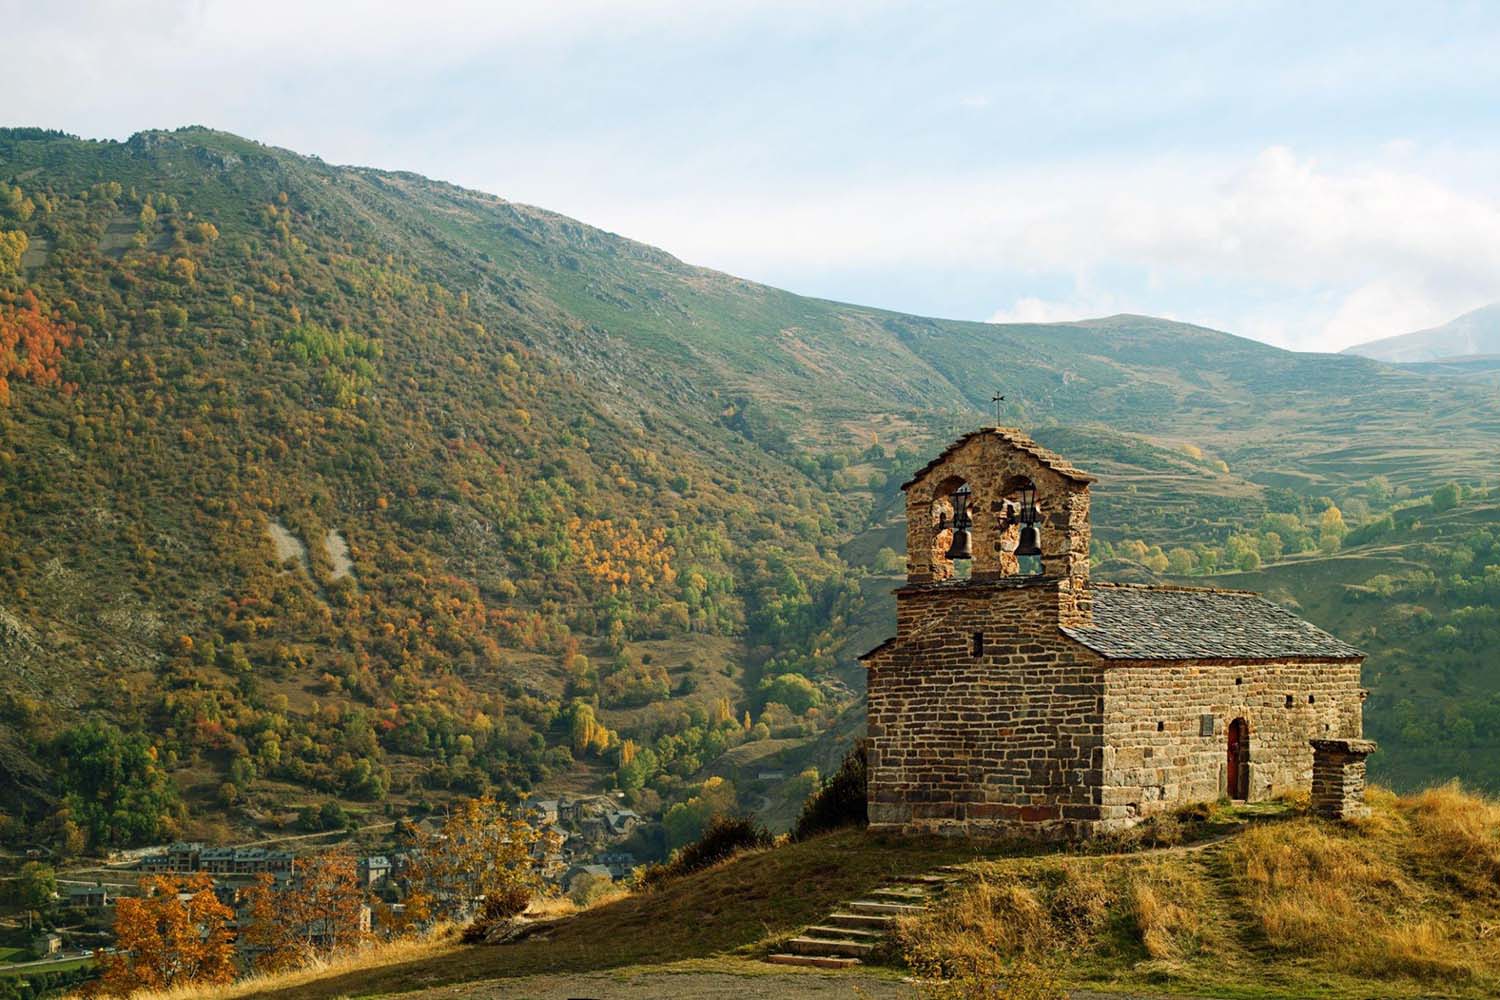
[(31, 343), (319, 911), (176, 934), (484, 860)]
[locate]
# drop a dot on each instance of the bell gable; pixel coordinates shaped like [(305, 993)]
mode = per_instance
[(1026, 511)]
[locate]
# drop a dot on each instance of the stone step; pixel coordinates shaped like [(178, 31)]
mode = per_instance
[(896, 895), (883, 906), (815, 961), (829, 946), (928, 879), (850, 933), (873, 921)]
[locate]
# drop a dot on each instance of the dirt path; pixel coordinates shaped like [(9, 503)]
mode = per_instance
[(385, 825), (704, 985), (624, 985)]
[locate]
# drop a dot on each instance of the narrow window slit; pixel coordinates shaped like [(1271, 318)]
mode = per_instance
[(976, 642)]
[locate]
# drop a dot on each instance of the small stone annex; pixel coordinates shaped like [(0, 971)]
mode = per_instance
[(1026, 698)]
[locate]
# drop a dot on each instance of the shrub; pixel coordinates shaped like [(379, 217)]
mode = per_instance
[(839, 802), (725, 837), (588, 889)]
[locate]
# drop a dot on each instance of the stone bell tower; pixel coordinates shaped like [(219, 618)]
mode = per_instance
[(981, 712)]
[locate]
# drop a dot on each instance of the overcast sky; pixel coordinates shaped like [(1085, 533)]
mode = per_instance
[(1309, 175)]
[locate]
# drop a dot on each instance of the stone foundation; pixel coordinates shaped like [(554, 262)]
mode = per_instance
[(1338, 780)]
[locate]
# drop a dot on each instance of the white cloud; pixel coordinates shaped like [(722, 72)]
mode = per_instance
[(1358, 252), (1034, 310)]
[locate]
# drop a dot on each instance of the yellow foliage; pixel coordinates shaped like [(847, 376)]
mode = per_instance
[(621, 553), (13, 245)]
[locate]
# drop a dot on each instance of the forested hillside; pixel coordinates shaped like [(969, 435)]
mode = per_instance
[(331, 483)]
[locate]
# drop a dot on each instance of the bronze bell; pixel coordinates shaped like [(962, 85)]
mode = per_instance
[(962, 546), (1029, 542)]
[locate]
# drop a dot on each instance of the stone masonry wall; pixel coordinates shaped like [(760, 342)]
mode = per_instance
[(1338, 783), (1160, 752), (992, 467), (960, 743)]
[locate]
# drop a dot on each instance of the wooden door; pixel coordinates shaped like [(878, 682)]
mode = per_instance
[(1239, 752)]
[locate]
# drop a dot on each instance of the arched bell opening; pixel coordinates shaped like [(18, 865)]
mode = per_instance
[(1021, 533), (952, 530)]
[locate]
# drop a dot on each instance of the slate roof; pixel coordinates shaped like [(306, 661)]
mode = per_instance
[(1167, 623), (1016, 439)]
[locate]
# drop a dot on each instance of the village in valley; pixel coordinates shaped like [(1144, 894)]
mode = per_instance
[(581, 850)]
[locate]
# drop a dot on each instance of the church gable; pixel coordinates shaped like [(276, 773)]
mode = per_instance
[(1017, 500)]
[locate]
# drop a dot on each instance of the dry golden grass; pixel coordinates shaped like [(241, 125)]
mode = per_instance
[(1378, 898), (1460, 833), (1305, 883), (1167, 907), (1409, 895), (372, 956), (1420, 949), (1005, 938)]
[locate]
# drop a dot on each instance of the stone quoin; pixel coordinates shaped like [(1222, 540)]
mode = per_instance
[(1028, 699)]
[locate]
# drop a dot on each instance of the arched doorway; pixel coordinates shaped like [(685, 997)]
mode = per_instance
[(1238, 762)]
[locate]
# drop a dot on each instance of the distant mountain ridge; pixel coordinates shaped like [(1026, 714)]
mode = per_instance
[(1474, 334)]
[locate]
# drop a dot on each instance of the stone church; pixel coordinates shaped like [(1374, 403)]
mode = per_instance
[(1022, 697)]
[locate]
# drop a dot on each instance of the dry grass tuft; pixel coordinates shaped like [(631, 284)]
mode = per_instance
[(1421, 949), (1166, 907), (1005, 937), (1315, 891), (1343, 896), (1307, 883), (1459, 832), (1297, 800), (1079, 904)]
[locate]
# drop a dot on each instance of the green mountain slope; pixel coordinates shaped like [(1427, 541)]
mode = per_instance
[(362, 485)]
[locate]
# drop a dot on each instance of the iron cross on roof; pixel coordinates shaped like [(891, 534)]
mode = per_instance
[(997, 399)]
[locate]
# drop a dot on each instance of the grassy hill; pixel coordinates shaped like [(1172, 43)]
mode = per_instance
[(1267, 903), (332, 483)]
